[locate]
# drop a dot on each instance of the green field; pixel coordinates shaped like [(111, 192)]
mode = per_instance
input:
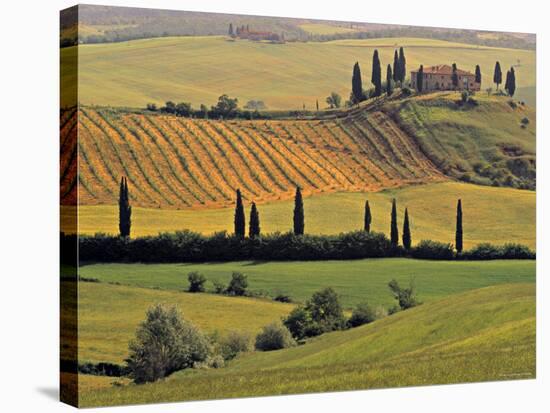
[(108, 316), (481, 335), (322, 28), (432, 211), (355, 281), (284, 76)]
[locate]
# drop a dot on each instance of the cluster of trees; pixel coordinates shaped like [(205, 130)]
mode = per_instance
[(226, 108), (510, 83), (237, 285), (395, 75)]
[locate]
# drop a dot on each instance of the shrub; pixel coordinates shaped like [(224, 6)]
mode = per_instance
[(238, 284), (234, 344), (472, 101), (219, 288), (486, 251), (512, 104), (517, 251), (283, 298), (165, 343), (433, 250), (196, 282), (406, 91), (525, 121), (362, 314), (405, 296), (394, 309), (299, 323), (274, 337)]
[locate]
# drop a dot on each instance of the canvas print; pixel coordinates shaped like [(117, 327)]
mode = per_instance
[(256, 206)]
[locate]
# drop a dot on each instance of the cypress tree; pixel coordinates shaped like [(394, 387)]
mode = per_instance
[(420, 79), (124, 209), (507, 82), (511, 82), (389, 80), (368, 217), (298, 213), (254, 225), (454, 76), (239, 216), (317, 104), (402, 66), (231, 30), (478, 74), (357, 84), (394, 232), (396, 68), (406, 231), (376, 78), (458, 236), (497, 76)]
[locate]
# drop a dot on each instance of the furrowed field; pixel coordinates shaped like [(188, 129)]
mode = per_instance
[(480, 335), (199, 69)]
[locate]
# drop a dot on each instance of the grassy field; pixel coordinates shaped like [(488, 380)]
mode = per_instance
[(481, 335), (284, 76), (322, 28), (108, 315), (355, 281), (432, 211)]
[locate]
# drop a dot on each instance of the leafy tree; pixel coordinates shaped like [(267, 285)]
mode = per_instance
[(402, 66), (405, 296), (510, 85), (164, 344), (299, 323), (124, 209), (454, 76), (478, 74), (389, 81), (196, 282), (420, 79), (254, 225), (255, 105), (233, 344), (497, 76), (274, 337), (169, 107), (362, 314), (356, 85), (298, 213), (325, 310), (238, 284), (239, 216), (368, 217), (376, 78), (183, 109), (396, 68), (459, 234), (231, 33), (406, 231), (394, 232), (226, 107), (334, 100)]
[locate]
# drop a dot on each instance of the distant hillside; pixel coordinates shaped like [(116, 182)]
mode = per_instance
[(99, 24), (174, 162), (481, 335)]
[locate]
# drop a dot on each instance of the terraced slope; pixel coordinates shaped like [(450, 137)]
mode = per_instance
[(174, 162), (480, 335)]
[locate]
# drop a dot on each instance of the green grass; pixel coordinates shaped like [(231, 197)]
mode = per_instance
[(322, 28), (284, 76), (108, 315), (481, 335), (432, 210), (355, 281)]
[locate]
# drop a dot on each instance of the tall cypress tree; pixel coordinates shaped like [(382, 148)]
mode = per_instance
[(420, 79), (511, 82), (497, 76), (357, 84), (394, 232), (507, 81), (406, 231), (376, 78), (230, 32), (368, 217), (254, 224), (396, 69), (458, 235), (298, 213), (124, 209), (389, 80), (454, 76), (478, 74), (239, 217), (402, 66)]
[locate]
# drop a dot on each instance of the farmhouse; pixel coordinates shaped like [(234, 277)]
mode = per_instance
[(440, 78)]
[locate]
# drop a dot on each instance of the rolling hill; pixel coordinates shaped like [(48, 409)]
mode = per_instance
[(181, 163), (480, 335), (284, 76)]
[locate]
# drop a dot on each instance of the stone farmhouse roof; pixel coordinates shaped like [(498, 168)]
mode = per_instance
[(444, 70)]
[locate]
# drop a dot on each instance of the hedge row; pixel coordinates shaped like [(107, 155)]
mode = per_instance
[(187, 246)]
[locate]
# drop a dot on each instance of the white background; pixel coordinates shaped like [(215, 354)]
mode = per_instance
[(29, 154)]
